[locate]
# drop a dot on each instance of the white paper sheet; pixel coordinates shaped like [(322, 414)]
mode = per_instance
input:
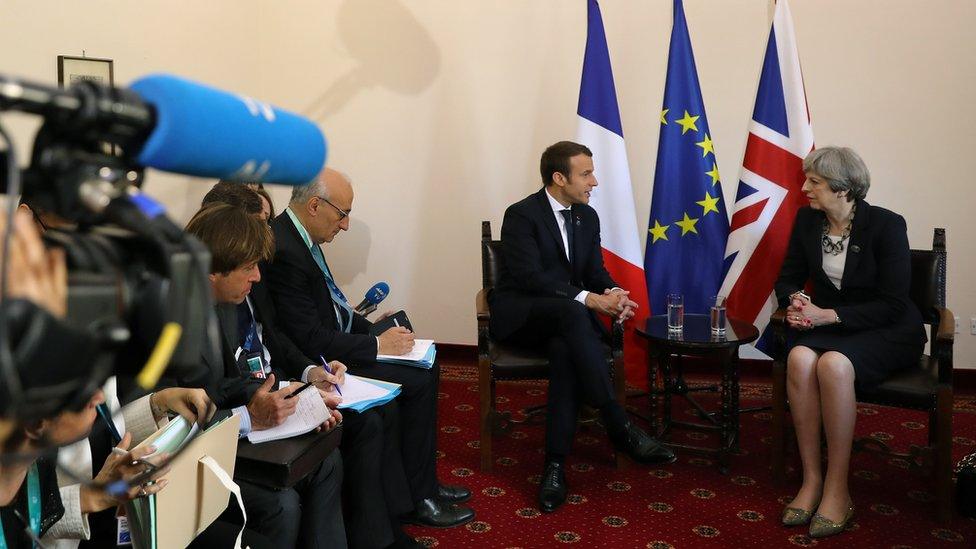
[(309, 414)]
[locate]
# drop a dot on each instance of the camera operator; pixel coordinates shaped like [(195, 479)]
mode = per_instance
[(30, 501)]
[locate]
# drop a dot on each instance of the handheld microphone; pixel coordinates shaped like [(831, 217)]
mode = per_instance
[(374, 295)]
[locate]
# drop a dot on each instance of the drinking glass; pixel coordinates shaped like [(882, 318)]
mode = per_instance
[(718, 314), (676, 312)]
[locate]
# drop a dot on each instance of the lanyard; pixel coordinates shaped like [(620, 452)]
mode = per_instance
[(107, 419), (33, 505), (252, 335)]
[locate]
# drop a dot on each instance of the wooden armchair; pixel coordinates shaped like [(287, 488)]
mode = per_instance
[(500, 362), (927, 388)]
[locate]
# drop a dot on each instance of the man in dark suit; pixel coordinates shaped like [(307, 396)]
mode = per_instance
[(375, 488), (309, 514), (320, 321), (551, 284)]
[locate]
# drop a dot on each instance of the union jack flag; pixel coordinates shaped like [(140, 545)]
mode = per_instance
[(768, 195)]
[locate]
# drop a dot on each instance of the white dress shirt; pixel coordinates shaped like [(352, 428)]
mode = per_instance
[(561, 223)]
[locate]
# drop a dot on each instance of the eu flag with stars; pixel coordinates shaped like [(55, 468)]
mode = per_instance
[(688, 227)]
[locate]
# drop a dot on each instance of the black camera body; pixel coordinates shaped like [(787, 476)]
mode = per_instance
[(138, 284)]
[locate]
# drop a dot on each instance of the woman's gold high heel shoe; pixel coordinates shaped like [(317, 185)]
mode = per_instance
[(821, 526), (794, 516)]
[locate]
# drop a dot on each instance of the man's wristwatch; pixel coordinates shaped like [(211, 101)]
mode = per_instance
[(836, 318)]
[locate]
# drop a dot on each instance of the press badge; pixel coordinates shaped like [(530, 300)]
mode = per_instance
[(255, 367), (123, 536)]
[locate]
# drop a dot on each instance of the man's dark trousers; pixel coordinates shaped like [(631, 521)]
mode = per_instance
[(577, 364), (307, 515)]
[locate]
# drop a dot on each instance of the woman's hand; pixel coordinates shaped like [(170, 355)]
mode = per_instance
[(815, 316), (193, 404), (802, 314), (123, 466), (36, 274)]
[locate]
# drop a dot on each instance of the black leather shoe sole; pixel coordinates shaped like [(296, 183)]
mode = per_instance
[(658, 460), (463, 515)]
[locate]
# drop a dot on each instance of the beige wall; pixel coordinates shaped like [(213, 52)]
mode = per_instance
[(439, 109)]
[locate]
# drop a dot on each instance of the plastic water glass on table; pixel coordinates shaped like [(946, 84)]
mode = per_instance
[(717, 314), (676, 313)]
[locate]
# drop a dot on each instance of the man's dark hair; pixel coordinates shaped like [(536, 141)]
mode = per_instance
[(556, 159), (235, 194), (235, 238)]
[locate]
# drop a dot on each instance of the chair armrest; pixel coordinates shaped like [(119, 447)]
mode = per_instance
[(941, 347), (777, 321), (617, 338), (947, 325), (481, 305)]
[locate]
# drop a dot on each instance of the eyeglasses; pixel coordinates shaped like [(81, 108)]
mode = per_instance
[(342, 213)]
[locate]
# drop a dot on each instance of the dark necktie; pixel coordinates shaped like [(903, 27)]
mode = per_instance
[(568, 217)]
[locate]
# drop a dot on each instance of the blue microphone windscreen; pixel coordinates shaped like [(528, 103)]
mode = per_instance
[(378, 292), (208, 132)]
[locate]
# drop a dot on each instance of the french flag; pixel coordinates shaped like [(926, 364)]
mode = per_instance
[(768, 196), (600, 129)]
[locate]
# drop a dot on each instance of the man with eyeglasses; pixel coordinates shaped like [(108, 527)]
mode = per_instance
[(317, 317)]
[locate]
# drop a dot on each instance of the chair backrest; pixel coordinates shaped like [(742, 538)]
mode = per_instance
[(491, 257), (929, 278)]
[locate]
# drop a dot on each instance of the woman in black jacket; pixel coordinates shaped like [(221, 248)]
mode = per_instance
[(858, 327)]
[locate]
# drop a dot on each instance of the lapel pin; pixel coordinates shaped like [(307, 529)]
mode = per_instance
[(855, 248), (577, 222)]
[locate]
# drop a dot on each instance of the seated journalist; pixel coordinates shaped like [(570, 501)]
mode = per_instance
[(308, 514), (858, 327), (549, 292), (320, 321), (375, 489)]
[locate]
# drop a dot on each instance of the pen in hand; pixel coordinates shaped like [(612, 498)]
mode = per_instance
[(327, 369), (300, 389)]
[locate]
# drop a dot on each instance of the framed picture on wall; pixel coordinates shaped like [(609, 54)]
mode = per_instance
[(75, 69)]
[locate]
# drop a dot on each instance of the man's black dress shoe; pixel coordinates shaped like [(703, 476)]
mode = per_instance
[(407, 543), (552, 488), (452, 494), (430, 512), (640, 446)]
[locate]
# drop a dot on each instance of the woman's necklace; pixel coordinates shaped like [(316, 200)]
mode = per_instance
[(835, 248)]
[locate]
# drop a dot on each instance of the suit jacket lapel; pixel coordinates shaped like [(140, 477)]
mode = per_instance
[(227, 317), (814, 235), (549, 220), (856, 242)]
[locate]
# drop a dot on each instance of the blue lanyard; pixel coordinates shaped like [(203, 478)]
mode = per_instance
[(33, 505), (107, 418)]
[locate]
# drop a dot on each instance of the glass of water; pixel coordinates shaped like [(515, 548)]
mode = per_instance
[(718, 315), (676, 312)]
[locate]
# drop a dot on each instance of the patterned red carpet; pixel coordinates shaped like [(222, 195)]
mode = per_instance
[(686, 504)]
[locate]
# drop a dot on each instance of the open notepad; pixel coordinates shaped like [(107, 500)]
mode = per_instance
[(363, 393), (421, 356), (309, 414)]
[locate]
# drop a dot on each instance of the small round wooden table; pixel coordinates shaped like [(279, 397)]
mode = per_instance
[(666, 352)]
